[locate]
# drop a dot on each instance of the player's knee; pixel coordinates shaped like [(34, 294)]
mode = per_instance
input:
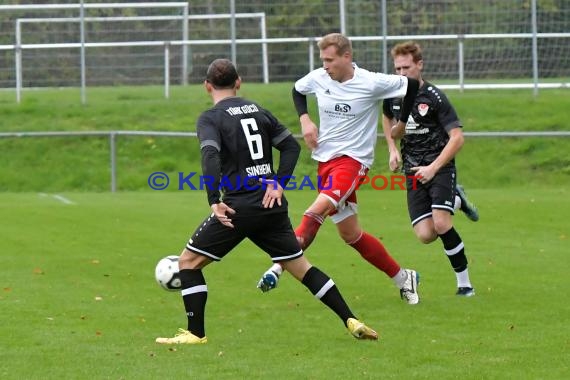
[(191, 260), (426, 236), (322, 206), (441, 226), (350, 236), (297, 267)]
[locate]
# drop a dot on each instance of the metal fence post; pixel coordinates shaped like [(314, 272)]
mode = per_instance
[(113, 153), (185, 47), (82, 32), (18, 61), (167, 69), (461, 62), (534, 48)]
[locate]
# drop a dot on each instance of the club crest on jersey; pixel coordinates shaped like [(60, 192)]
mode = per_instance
[(423, 109)]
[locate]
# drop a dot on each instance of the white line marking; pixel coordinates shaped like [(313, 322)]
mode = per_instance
[(63, 199)]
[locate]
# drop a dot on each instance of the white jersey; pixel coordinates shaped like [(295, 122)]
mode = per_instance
[(348, 111)]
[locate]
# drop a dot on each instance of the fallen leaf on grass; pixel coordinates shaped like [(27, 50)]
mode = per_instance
[(38, 271)]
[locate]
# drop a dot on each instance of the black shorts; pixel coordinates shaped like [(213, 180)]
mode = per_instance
[(271, 232), (438, 193)]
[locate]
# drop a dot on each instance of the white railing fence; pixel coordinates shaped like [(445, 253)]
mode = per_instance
[(534, 53)]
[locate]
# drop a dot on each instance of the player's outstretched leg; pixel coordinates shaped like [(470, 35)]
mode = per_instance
[(324, 289), (373, 251), (305, 232), (468, 208)]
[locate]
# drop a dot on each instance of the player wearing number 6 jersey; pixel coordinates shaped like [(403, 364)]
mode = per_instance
[(348, 100), (236, 139)]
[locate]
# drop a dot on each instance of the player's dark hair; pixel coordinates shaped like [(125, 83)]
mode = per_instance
[(222, 74), (341, 42), (406, 48)]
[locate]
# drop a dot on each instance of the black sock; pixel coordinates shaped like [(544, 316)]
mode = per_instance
[(323, 287), (194, 295), (454, 250)]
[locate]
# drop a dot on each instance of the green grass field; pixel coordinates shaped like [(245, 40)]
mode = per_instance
[(77, 291), (78, 297)]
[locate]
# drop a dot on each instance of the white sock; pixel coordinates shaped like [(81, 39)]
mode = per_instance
[(463, 279), (277, 269), (400, 278), (457, 205)]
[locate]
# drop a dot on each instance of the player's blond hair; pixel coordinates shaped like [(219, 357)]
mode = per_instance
[(409, 47), (341, 42)]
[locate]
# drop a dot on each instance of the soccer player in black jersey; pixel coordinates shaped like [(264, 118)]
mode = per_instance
[(429, 143), (246, 197)]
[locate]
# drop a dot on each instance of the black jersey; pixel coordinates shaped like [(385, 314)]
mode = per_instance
[(244, 134), (427, 128)]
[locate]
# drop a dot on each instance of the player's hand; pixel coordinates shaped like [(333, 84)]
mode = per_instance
[(310, 133), (395, 162), (273, 193), (223, 213), (425, 173)]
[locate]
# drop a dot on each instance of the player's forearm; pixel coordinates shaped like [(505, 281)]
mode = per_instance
[(289, 150), (387, 124), (398, 130), (211, 168), (451, 149), (305, 120)]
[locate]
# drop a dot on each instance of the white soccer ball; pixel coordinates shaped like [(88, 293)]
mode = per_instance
[(166, 273)]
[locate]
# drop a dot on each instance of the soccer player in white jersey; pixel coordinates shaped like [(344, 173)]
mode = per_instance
[(348, 99)]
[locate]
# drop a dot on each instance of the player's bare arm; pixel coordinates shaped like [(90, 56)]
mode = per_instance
[(309, 130), (395, 158), (452, 147)]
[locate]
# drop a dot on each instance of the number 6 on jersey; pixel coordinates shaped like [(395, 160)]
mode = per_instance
[(254, 141)]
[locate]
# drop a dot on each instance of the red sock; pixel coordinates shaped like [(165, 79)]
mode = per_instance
[(372, 250), (307, 230)]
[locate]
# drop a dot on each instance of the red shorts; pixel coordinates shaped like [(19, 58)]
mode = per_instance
[(339, 179)]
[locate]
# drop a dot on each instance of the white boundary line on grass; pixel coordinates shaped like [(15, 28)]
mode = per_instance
[(63, 199), (58, 197)]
